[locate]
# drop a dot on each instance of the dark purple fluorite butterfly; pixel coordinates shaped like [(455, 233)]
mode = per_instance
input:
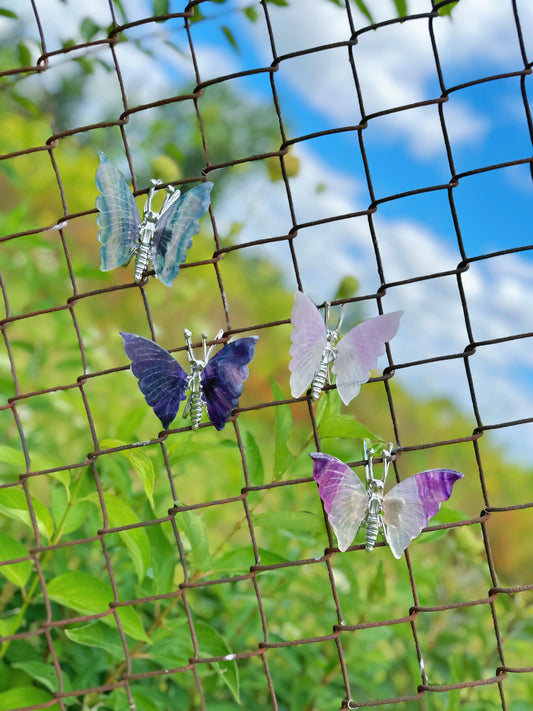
[(216, 382)]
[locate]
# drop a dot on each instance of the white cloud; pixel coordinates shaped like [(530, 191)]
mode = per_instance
[(395, 64), (497, 290)]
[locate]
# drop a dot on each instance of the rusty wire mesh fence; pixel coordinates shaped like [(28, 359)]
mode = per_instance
[(197, 570)]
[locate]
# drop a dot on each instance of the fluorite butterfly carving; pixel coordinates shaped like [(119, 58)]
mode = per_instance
[(161, 238), (400, 515), (314, 348), (216, 382)]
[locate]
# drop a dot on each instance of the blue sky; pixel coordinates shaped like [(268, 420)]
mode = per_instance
[(486, 123)]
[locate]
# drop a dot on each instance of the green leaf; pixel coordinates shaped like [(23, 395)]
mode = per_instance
[(163, 560), (9, 626), (144, 702), (63, 476), (196, 15), (197, 534), (131, 623), (301, 521), (377, 589), (67, 514), (231, 39), (345, 427), (283, 457), (240, 560), (45, 674), (97, 634), (212, 644), (22, 696), (141, 464), (281, 3), (254, 461), (160, 7), (135, 539), (81, 592), (362, 6), (172, 645), (401, 7), (13, 504), (236, 561), (332, 424), (17, 573), (447, 515), (446, 10), (251, 13), (10, 455), (88, 29), (348, 287), (8, 13), (89, 596)]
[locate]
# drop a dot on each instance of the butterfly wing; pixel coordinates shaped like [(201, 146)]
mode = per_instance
[(344, 497), (223, 378), (118, 218), (359, 350), (162, 380), (174, 231), (308, 342), (409, 505)]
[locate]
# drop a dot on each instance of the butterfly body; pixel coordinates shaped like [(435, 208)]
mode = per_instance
[(194, 406), (374, 516), (195, 403), (144, 245), (400, 515), (321, 376), (315, 348), (215, 383), (161, 238)]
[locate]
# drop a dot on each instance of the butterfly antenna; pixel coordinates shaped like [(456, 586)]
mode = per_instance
[(188, 344), (386, 464), (148, 213), (194, 405), (387, 459), (326, 314), (369, 454), (171, 195), (207, 353), (341, 319)]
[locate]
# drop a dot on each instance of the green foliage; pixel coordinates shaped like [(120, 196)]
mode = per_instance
[(401, 7), (17, 573), (228, 34), (333, 424), (447, 8), (131, 485), (141, 464), (283, 457)]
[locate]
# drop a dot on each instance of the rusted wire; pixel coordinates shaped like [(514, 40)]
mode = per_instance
[(339, 630)]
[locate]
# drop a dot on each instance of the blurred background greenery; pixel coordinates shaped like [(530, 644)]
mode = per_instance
[(58, 273)]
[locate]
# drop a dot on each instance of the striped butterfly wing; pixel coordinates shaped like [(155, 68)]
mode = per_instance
[(118, 216), (175, 229)]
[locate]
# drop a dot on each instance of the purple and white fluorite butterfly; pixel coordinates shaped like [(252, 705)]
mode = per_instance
[(401, 514), (216, 382), (314, 347), (161, 238)]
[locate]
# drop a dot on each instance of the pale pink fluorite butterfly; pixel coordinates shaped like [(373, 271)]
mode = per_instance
[(314, 348)]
